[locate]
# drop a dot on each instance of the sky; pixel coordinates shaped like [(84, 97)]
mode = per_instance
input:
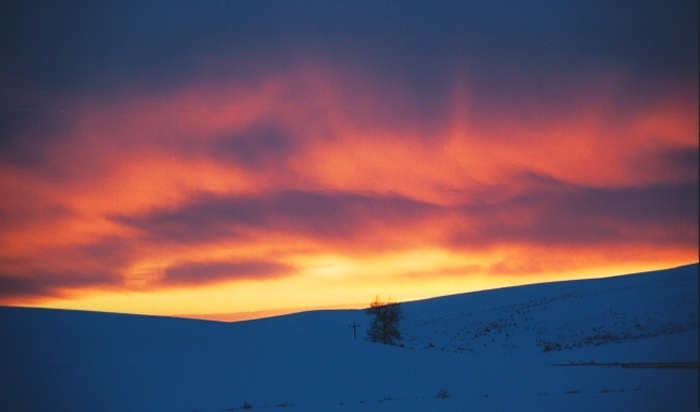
[(213, 158)]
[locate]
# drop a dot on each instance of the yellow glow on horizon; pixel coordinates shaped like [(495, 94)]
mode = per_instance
[(298, 293)]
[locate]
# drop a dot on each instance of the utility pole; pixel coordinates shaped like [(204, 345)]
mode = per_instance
[(354, 327)]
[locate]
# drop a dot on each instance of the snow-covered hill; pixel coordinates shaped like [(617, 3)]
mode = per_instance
[(559, 316), (623, 343)]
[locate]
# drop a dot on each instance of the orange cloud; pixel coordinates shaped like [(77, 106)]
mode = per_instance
[(320, 174)]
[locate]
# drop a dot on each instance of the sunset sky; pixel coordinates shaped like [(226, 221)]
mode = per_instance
[(215, 157)]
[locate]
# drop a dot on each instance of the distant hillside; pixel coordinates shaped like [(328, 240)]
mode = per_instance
[(559, 316)]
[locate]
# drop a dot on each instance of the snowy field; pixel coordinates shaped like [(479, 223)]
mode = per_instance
[(623, 343)]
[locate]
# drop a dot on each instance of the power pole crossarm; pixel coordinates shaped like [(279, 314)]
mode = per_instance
[(354, 327)]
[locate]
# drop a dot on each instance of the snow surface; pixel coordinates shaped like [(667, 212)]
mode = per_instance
[(535, 347)]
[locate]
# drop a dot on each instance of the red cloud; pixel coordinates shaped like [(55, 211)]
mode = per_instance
[(318, 160)]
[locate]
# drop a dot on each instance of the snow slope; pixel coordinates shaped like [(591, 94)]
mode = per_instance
[(542, 347)]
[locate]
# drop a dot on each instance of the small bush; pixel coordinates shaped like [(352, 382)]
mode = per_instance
[(443, 393)]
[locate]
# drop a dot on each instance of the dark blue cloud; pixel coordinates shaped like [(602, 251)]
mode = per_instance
[(553, 213), (25, 133), (681, 163), (565, 215), (202, 273), (258, 148), (330, 216), (61, 268), (52, 284)]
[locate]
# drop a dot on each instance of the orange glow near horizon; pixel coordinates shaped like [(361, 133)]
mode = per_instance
[(316, 188)]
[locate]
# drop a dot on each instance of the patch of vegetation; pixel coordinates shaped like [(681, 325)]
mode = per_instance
[(386, 319), (443, 393)]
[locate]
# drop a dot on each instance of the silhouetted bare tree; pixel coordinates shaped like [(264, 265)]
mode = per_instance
[(386, 318)]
